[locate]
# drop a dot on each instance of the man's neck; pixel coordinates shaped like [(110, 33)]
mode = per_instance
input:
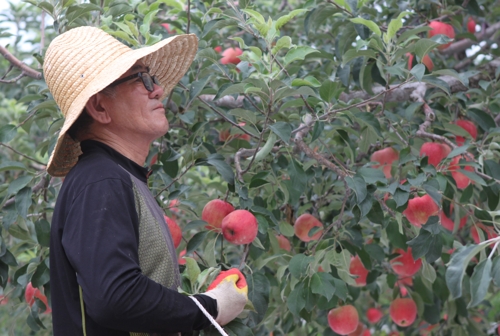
[(133, 149)]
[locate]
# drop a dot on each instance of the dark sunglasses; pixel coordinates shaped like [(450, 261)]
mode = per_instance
[(146, 78)]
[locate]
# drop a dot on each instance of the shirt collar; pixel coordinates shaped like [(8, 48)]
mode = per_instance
[(142, 173)]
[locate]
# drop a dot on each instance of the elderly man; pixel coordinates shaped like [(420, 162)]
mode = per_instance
[(113, 266)]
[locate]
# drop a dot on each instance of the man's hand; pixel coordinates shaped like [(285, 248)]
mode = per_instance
[(230, 289)]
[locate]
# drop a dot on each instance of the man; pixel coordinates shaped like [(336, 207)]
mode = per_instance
[(113, 265)]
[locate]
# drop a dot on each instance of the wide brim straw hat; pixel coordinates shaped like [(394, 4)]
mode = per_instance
[(83, 61)]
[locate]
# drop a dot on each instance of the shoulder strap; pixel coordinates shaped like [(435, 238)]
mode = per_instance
[(83, 311)]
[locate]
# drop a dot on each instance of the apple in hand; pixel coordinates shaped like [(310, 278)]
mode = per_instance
[(304, 224), (214, 212), (385, 157), (343, 320), (441, 28), (31, 293), (419, 210), (175, 230), (435, 152), (240, 227), (404, 265), (403, 311)]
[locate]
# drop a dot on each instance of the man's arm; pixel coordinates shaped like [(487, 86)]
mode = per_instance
[(101, 241)]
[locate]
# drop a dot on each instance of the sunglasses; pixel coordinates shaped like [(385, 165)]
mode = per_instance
[(146, 78)]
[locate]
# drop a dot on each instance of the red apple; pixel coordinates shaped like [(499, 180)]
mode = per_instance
[(240, 227), (218, 49), (427, 61), (214, 212), (419, 210), (230, 55), (225, 135), (488, 232), (172, 206), (403, 311), (169, 29), (357, 268), (284, 243), (435, 152), (374, 315), (471, 25), (304, 224), (175, 230), (404, 265), (181, 260), (385, 157), (447, 223), (469, 127), (3, 300), (31, 293), (343, 320), (360, 331), (461, 180), (154, 159), (440, 28)]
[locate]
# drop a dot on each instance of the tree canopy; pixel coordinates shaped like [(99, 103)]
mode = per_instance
[(378, 119)]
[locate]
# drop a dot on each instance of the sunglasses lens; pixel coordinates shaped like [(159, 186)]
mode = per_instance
[(155, 80), (147, 81)]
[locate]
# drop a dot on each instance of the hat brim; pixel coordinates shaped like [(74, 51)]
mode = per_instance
[(168, 59)]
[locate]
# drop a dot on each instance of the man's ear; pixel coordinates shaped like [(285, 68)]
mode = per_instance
[(96, 108)]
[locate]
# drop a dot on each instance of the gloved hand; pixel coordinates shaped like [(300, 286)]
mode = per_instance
[(231, 292)]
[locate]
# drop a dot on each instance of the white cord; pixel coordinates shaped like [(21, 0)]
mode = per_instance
[(214, 322)]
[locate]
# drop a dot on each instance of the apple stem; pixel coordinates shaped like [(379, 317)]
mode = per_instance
[(244, 257)]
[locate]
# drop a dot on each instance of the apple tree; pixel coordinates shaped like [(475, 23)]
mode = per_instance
[(362, 136)]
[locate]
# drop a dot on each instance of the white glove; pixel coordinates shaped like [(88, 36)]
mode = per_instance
[(231, 292)]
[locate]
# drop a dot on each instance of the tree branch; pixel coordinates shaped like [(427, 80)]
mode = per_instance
[(25, 70)]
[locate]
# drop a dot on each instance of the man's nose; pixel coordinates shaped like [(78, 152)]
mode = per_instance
[(157, 91)]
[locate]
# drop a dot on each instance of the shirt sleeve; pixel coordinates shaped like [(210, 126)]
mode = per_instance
[(101, 241)]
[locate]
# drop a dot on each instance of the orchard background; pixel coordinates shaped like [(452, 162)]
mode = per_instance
[(290, 129)]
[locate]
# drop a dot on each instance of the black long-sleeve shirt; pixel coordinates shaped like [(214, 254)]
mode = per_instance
[(108, 236)]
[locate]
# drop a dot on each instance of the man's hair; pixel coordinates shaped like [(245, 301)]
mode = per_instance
[(84, 120)]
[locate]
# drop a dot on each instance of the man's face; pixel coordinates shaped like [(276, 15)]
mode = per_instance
[(136, 113)]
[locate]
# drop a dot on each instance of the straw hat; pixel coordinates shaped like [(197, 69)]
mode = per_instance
[(85, 60)]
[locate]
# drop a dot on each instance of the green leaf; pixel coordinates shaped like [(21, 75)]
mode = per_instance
[(196, 87), (298, 53), (194, 242), (423, 46), (368, 23), (410, 33), (222, 167), (283, 42), (418, 71), (495, 270), (296, 300), (321, 283), (483, 119), (18, 184), (437, 83), (7, 133), (254, 14), (41, 275), (23, 201), (192, 269), (358, 185), (286, 18), (456, 269), (395, 25), (479, 282), (42, 228), (283, 130), (298, 265), (353, 53), (307, 81)]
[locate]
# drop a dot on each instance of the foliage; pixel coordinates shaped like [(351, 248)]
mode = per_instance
[(321, 86)]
